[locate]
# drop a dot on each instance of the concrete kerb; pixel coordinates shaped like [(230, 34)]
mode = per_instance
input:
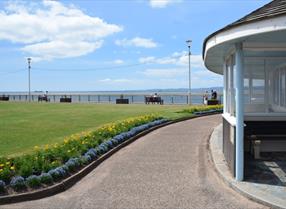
[(247, 189), (70, 181)]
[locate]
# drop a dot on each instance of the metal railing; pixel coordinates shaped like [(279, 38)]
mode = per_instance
[(134, 98)]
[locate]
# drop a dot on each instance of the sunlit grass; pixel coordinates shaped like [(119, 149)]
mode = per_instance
[(25, 125)]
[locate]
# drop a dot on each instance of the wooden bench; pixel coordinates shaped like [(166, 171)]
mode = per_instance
[(258, 131), (43, 98), (65, 99), (153, 100), (122, 101), (4, 98), (212, 102)]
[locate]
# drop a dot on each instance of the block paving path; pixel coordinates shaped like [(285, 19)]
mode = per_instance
[(168, 168)]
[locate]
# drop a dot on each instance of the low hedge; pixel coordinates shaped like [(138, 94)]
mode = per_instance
[(52, 163), (202, 108)]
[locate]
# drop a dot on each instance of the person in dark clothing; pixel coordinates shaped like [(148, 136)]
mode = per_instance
[(214, 94)]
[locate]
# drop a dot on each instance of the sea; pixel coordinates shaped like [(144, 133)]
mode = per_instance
[(170, 96)]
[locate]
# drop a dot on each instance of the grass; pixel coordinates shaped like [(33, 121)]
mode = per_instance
[(24, 125)]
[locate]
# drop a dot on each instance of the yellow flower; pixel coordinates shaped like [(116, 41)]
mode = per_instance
[(12, 168), (1, 165), (1, 170), (36, 147), (7, 163), (69, 151)]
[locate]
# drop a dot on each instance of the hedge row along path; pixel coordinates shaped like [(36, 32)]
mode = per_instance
[(168, 168)]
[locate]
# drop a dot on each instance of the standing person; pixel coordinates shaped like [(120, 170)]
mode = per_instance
[(214, 95), (206, 97)]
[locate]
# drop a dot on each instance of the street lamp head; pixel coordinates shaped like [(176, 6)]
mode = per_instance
[(29, 59), (189, 42)]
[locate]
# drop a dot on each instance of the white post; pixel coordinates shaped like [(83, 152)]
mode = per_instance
[(239, 165), (29, 77), (189, 42), (190, 78)]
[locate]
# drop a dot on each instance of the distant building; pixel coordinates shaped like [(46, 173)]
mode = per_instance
[(251, 55)]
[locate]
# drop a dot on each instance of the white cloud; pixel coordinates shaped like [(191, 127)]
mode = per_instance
[(118, 62), (48, 27), (60, 49), (121, 80), (138, 42), (177, 58), (162, 3), (147, 60)]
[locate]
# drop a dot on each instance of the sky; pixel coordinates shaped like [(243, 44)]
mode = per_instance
[(107, 45)]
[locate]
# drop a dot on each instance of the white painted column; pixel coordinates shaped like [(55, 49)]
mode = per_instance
[(239, 109), (224, 85)]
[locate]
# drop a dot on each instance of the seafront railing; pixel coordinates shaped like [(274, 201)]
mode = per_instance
[(134, 98)]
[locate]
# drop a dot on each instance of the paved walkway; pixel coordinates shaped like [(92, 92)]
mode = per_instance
[(168, 168), (256, 188)]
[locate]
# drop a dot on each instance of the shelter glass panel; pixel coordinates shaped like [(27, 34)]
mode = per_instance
[(277, 86), (230, 91)]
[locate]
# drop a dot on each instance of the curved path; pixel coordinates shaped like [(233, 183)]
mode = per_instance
[(168, 168)]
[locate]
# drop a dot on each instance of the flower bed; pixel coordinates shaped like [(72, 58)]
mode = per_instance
[(53, 163), (203, 109)]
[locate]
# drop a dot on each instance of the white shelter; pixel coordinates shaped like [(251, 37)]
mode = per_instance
[(251, 55)]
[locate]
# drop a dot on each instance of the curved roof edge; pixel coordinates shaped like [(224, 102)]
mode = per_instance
[(273, 9)]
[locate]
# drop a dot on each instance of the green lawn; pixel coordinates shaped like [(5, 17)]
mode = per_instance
[(24, 125)]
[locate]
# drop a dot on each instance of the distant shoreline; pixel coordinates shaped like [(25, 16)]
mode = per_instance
[(147, 91)]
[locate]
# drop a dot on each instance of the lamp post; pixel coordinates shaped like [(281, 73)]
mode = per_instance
[(29, 72), (189, 42)]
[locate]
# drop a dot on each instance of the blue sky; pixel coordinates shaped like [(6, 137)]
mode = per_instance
[(91, 45)]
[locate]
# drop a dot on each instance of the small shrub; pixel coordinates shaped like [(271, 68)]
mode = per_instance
[(129, 134), (119, 138), (6, 175), (61, 171), (124, 136), (86, 158), (73, 164), (92, 153), (26, 169), (33, 181), (102, 148), (2, 186), (18, 183), (55, 174), (46, 178), (109, 144), (65, 168), (114, 142)]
